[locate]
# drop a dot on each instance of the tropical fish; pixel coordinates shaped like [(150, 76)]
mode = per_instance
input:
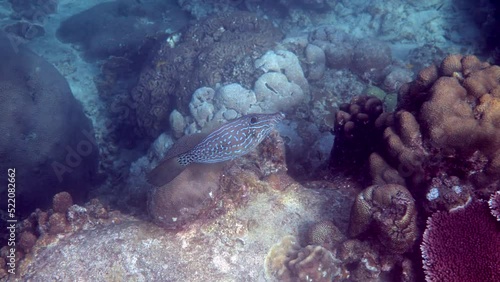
[(232, 140)]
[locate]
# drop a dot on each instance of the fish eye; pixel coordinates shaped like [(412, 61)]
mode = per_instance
[(253, 120)]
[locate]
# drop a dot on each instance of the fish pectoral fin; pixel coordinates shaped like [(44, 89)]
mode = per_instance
[(165, 172)]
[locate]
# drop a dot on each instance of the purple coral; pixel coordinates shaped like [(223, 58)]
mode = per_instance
[(494, 204), (462, 245)]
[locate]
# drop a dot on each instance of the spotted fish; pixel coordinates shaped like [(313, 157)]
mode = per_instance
[(233, 139)]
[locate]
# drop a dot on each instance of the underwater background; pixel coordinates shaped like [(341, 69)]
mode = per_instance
[(250, 140)]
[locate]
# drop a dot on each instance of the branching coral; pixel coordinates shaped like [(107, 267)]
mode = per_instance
[(462, 245), (390, 209)]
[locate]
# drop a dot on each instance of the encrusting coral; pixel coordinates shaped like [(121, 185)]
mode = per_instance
[(390, 210), (462, 245)]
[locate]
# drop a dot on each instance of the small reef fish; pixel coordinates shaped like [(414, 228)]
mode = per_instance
[(233, 139)]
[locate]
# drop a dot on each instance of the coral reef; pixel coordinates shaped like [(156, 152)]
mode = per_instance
[(278, 257), (25, 30), (444, 138), (287, 261), (316, 59), (45, 228), (337, 45), (61, 202), (494, 204), (120, 28), (29, 17), (196, 192), (367, 57), (391, 211), (168, 80), (350, 260), (462, 245), (48, 137), (370, 58), (201, 106), (33, 10), (276, 93), (464, 79), (355, 131), (315, 263), (235, 97), (283, 86), (229, 246), (325, 234), (185, 198), (285, 62), (447, 193)]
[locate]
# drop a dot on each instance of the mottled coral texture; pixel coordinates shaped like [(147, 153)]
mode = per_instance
[(444, 140), (462, 245), (462, 106), (325, 234), (287, 261), (173, 74), (390, 211)]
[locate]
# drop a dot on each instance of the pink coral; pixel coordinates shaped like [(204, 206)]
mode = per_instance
[(494, 204), (462, 245)]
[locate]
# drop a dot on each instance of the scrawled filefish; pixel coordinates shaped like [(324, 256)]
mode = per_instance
[(233, 139)]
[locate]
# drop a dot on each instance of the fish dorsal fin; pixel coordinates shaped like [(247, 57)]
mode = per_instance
[(184, 144)]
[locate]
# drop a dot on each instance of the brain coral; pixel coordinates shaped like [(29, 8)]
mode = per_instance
[(462, 245), (390, 209), (325, 234), (46, 136), (216, 43)]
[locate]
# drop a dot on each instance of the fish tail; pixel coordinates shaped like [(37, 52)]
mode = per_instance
[(165, 172)]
